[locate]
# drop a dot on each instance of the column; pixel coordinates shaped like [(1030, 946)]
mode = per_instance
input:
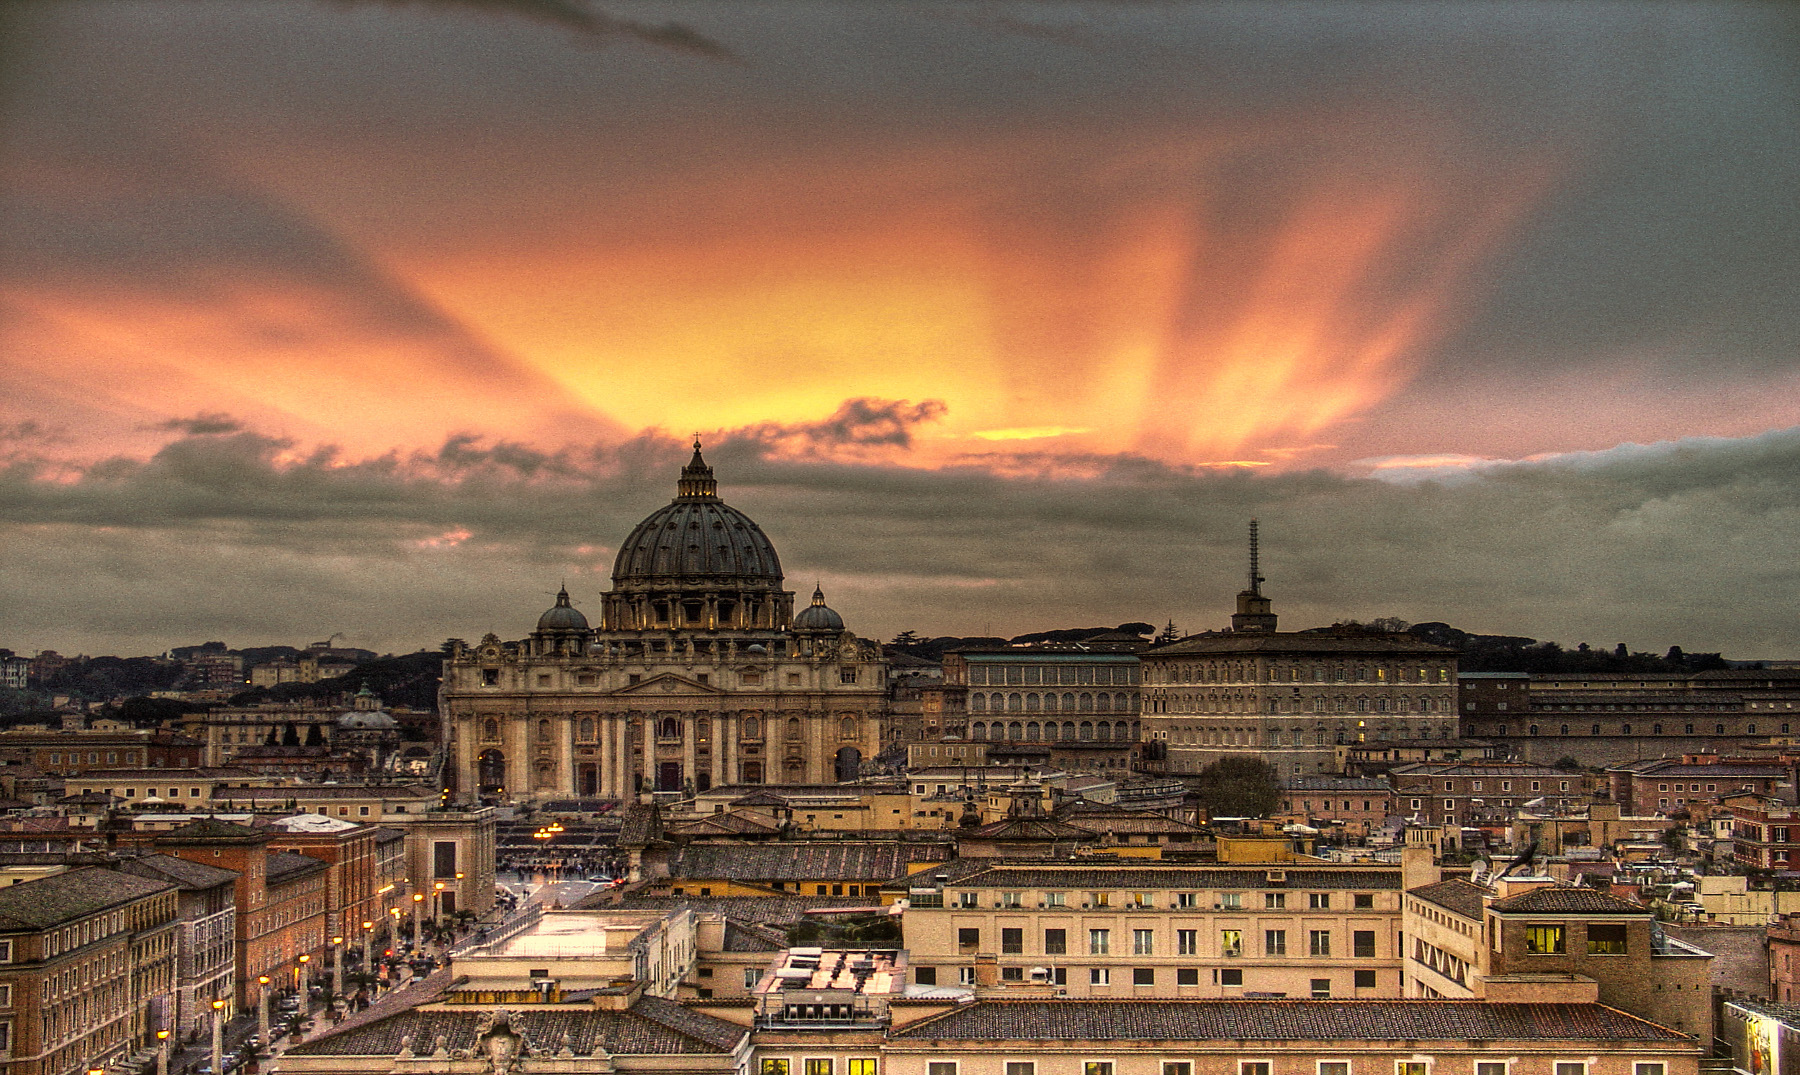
[(690, 750), (648, 731), (722, 741)]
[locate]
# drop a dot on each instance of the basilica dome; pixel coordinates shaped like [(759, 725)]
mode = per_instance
[(818, 616), (562, 616), (697, 538)]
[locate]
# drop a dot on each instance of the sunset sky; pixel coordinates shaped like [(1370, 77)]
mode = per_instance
[(386, 318)]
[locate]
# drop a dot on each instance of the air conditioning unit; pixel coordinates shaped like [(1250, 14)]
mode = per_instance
[(1040, 905), (1086, 906), (1218, 907)]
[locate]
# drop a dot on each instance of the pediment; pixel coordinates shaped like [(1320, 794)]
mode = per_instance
[(668, 684)]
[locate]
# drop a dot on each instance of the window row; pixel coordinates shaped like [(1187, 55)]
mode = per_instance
[(1143, 942), (1067, 675)]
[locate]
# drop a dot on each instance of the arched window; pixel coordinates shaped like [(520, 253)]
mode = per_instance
[(1564, 730), (1015, 703), (752, 728), (1051, 728), (1087, 729), (1121, 729), (1015, 731), (1087, 703), (1534, 729), (793, 729), (587, 729), (978, 702), (1032, 731), (1032, 702), (1596, 729), (1103, 702), (1718, 729), (978, 730), (1624, 729), (1068, 729), (671, 728), (490, 730), (1655, 729), (847, 728)]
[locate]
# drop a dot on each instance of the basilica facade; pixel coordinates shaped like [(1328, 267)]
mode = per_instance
[(700, 673)]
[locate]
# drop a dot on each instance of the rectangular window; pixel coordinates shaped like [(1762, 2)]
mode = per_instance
[(1231, 976), (1319, 942), (1177, 1067), (1334, 1067), (863, 1065), (968, 937), (1274, 942), (1187, 942), (1056, 942), (1321, 988), (1253, 1067), (1100, 899), (1362, 944), (1056, 899), (1365, 979), (1606, 939), (1099, 976), (1570, 1067), (5, 951), (777, 1065), (1021, 1067), (1143, 942), (1490, 1067), (1544, 940), (1274, 901), (965, 976), (751, 975), (1411, 1067), (1231, 901), (1364, 901), (1187, 899), (1099, 942), (1012, 974), (1014, 900), (1012, 941), (5, 996), (1187, 976), (1648, 1069), (818, 1065), (443, 861), (1143, 976), (1319, 901), (1231, 942), (1097, 1067), (941, 1067), (921, 975)]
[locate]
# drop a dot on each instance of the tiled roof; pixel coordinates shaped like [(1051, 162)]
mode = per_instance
[(807, 861), (328, 791), (651, 1027), (1459, 896), (1030, 828), (732, 824), (210, 828), (752, 937), (768, 910), (385, 835), (1454, 768), (1283, 1020), (286, 866), (189, 875), (1570, 900), (1166, 877), (48, 901)]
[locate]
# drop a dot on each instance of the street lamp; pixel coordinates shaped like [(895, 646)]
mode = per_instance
[(262, 1008), (218, 1056), (337, 968), (162, 1052), (300, 981), (437, 904), (418, 936)]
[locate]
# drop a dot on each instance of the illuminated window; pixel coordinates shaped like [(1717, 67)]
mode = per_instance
[(1543, 940)]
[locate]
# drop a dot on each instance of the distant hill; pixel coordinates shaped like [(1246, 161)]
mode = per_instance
[(933, 649), (1515, 653)]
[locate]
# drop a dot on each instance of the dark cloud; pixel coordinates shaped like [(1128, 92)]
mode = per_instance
[(243, 535), (857, 423), (575, 15), (199, 425)]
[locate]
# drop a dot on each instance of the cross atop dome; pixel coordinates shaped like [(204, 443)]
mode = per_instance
[(696, 478)]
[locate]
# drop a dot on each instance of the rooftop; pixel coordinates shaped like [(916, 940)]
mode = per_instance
[(65, 897), (1567, 900), (1284, 1020), (1460, 897), (650, 1027)]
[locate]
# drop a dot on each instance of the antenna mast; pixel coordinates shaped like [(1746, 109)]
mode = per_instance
[(1256, 579)]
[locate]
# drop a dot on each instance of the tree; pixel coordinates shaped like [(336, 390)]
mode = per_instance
[(1567, 762), (905, 638), (1135, 627), (1391, 624), (1170, 633), (1239, 785)]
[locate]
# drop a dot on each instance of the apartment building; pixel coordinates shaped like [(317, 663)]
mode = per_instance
[(1665, 785), (1765, 832), (87, 969), (1307, 930), (1528, 938), (206, 944), (73, 753), (1478, 793)]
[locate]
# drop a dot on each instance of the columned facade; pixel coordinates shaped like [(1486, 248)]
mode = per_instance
[(700, 674)]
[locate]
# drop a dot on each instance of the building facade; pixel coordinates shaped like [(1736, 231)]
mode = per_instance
[(700, 673)]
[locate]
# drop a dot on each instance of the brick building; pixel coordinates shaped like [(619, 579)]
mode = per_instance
[(87, 969), (1484, 793), (1665, 785), (206, 944)]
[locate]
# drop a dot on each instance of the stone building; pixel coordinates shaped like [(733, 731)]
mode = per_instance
[(87, 969), (208, 930), (699, 673)]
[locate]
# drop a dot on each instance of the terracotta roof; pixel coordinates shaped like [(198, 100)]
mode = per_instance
[(752, 937), (1354, 785), (1284, 1020), (651, 1027), (1030, 828), (49, 901), (210, 828), (329, 791), (731, 824), (1461, 897), (807, 861), (1570, 900)]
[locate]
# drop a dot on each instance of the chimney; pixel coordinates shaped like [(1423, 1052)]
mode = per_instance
[(987, 970), (1418, 867)]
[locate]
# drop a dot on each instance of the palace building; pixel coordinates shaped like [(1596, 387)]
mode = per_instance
[(1290, 697), (700, 673)]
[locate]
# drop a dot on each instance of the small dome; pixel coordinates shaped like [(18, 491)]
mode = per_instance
[(366, 720), (756, 647), (818, 616), (564, 616)]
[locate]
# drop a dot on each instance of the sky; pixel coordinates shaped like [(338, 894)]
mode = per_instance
[(388, 318)]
